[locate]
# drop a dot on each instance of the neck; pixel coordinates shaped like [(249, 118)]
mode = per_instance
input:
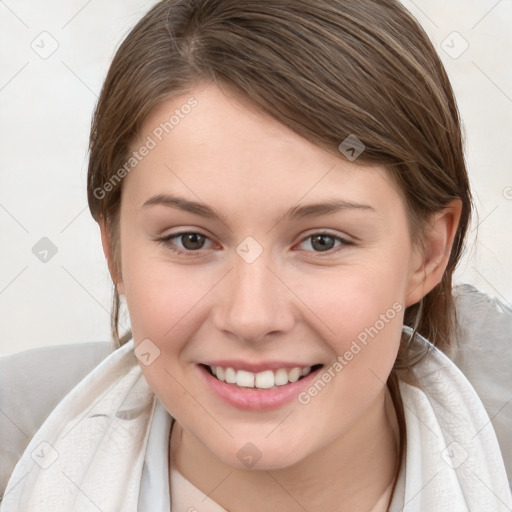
[(362, 463)]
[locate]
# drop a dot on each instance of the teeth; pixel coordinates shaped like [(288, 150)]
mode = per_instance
[(294, 374), (220, 373), (263, 380), (281, 377), (230, 375), (245, 379)]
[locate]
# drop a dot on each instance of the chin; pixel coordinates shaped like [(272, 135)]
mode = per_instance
[(263, 456)]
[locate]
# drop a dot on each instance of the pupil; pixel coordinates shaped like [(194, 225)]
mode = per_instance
[(319, 242), (192, 241)]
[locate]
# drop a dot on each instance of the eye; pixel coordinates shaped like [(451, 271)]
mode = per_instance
[(324, 242), (189, 241)]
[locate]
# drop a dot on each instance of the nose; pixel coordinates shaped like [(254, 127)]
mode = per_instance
[(254, 304)]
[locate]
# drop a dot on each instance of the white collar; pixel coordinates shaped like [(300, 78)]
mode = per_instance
[(105, 446)]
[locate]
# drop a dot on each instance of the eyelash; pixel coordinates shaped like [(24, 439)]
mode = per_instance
[(167, 242)]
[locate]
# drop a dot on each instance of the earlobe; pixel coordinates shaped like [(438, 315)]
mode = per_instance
[(107, 251), (430, 263)]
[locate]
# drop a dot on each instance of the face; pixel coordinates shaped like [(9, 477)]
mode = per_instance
[(247, 247)]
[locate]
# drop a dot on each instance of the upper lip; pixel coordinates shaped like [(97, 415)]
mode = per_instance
[(251, 366)]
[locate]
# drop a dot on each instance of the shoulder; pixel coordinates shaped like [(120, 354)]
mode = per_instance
[(483, 355), (32, 383), (484, 341)]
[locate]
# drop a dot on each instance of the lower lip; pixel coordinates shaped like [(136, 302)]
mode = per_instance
[(253, 399)]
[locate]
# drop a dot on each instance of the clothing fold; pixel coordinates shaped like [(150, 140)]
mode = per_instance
[(89, 453), (106, 446)]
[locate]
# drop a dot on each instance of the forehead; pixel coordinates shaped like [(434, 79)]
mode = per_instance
[(213, 144)]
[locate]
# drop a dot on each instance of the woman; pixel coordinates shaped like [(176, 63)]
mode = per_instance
[(282, 197)]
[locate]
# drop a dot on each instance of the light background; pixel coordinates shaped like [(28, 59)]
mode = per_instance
[(46, 102)]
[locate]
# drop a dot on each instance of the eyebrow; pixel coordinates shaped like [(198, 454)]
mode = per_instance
[(296, 212)]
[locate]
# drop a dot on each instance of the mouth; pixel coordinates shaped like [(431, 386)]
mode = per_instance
[(263, 380)]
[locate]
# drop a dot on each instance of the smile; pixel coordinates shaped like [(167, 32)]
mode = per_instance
[(268, 387), (266, 379)]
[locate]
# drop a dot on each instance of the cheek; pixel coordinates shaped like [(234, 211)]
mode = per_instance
[(160, 294), (359, 309), (349, 300), (164, 303), (362, 324)]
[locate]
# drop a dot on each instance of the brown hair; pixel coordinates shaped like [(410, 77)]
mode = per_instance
[(326, 69)]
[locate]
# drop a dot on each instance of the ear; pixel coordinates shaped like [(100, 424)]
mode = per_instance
[(429, 263), (106, 243)]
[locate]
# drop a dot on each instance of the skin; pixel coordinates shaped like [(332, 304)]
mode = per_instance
[(293, 303)]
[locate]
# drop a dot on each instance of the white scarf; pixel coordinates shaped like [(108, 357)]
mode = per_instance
[(105, 447)]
